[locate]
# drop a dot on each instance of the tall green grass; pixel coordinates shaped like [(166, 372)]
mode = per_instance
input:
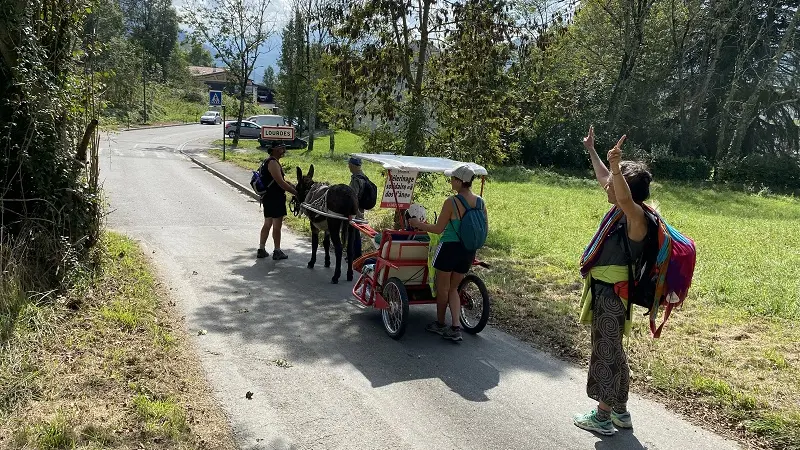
[(748, 245)]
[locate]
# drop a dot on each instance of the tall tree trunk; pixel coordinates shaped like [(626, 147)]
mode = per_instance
[(748, 113), (312, 122), (239, 116), (633, 38), (333, 141), (415, 136)]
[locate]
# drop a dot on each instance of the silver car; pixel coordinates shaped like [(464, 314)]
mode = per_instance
[(211, 117), (248, 129)]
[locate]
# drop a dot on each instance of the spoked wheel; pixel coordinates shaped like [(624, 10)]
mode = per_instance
[(231, 134), (475, 307), (395, 317)]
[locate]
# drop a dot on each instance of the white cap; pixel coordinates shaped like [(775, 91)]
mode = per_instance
[(463, 173)]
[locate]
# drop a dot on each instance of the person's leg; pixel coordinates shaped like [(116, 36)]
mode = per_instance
[(606, 371), (455, 298), (442, 287), (277, 223), (442, 294), (453, 332), (262, 253)]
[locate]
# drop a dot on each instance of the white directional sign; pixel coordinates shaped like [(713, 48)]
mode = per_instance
[(215, 98), (276, 133)]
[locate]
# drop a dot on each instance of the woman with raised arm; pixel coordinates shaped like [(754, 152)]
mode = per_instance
[(604, 265)]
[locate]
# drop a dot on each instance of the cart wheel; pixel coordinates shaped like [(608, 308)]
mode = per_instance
[(475, 307), (395, 317)]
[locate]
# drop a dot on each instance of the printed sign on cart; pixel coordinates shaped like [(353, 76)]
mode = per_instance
[(276, 133), (403, 183)]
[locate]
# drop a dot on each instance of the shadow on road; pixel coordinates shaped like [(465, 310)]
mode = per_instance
[(624, 439), (297, 310)]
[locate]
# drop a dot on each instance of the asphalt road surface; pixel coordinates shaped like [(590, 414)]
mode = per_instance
[(323, 372)]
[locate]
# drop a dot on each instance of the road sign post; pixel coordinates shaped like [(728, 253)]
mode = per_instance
[(215, 99)]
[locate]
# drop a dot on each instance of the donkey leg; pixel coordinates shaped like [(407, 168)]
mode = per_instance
[(348, 236), (326, 244), (335, 230), (314, 245)]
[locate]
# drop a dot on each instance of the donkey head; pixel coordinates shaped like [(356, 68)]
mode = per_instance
[(304, 183)]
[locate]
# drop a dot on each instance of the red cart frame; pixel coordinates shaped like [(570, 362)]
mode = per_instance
[(400, 275)]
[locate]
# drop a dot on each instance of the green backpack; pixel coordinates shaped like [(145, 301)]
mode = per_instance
[(472, 232)]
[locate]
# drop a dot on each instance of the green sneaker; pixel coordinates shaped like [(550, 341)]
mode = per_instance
[(589, 422), (622, 420)]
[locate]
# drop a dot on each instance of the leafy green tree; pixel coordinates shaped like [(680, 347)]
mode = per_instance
[(292, 84), (470, 87), (268, 79), (237, 30), (196, 54)]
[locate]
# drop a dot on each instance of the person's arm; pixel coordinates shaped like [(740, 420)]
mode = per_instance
[(637, 223), (486, 215), (275, 171), (600, 170), (441, 223)]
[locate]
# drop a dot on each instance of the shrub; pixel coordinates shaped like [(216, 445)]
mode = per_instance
[(777, 172)]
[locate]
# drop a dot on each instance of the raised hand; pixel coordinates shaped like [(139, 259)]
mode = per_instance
[(615, 154), (588, 141)]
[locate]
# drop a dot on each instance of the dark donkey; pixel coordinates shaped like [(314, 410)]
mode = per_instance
[(340, 199)]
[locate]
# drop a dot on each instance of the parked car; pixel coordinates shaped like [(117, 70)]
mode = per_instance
[(211, 117), (275, 120), (247, 129)]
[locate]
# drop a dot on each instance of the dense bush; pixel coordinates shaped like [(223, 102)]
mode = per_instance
[(779, 172), (51, 206)]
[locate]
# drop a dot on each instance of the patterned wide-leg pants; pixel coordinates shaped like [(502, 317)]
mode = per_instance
[(609, 375)]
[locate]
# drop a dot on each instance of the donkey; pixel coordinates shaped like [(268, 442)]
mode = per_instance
[(340, 199)]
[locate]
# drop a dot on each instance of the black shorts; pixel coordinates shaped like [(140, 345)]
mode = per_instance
[(274, 205), (453, 257)]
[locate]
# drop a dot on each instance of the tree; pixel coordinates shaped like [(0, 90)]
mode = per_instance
[(196, 54), (269, 78), (292, 85), (237, 30), (50, 212), (393, 40), (153, 29), (153, 26), (470, 86)]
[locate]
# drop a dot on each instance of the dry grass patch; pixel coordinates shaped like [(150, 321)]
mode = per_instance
[(727, 370), (115, 372)]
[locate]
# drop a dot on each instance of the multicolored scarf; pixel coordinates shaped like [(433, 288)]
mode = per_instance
[(673, 269)]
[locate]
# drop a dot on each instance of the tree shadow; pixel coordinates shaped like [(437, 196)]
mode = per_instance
[(296, 311)]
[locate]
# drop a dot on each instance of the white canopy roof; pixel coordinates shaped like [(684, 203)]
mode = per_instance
[(418, 163)]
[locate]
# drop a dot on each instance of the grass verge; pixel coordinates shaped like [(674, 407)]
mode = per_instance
[(174, 105), (108, 366), (729, 358)]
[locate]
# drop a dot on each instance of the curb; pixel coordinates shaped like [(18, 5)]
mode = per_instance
[(147, 127), (245, 190)]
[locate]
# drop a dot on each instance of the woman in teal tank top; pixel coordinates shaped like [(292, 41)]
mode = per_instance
[(452, 260)]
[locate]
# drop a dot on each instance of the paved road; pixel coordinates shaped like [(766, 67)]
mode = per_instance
[(322, 370)]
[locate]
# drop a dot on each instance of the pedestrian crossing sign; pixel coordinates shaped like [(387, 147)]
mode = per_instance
[(215, 98)]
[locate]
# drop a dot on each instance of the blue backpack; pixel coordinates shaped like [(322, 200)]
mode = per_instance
[(257, 183), (472, 231)]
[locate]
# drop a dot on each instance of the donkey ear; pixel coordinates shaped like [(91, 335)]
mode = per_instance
[(299, 174), (311, 172)]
